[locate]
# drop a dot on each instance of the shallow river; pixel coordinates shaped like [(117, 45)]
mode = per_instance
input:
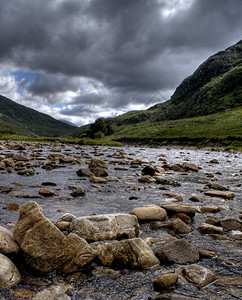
[(122, 196)]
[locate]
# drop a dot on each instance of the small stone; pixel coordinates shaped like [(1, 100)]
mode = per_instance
[(207, 228), (8, 245), (217, 186), (150, 212), (77, 191), (63, 225), (148, 170), (146, 178), (185, 218), (46, 192), (101, 180), (22, 293), (179, 226), (12, 206), (165, 281), (196, 198), (26, 172), (210, 209), (190, 167), (220, 194)]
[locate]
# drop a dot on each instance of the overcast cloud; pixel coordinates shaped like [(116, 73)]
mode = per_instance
[(83, 59)]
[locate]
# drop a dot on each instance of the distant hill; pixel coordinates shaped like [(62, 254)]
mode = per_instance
[(20, 120)]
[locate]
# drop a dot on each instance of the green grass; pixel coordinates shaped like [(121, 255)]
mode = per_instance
[(224, 129)]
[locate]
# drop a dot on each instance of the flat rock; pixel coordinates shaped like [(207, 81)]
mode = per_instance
[(208, 228), (150, 212), (46, 192), (178, 251), (45, 248), (105, 227), (196, 198), (198, 275), (210, 209), (185, 208), (54, 292), (8, 244), (231, 224), (146, 178), (166, 181), (220, 194), (9, 274), (131, 253), (101, 180)]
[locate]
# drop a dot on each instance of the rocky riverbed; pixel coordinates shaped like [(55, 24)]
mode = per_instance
[(119, 223)]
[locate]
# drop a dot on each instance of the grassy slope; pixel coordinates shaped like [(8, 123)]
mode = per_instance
[(223, 128)]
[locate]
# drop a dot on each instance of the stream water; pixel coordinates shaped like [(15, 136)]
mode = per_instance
[(98, 282)]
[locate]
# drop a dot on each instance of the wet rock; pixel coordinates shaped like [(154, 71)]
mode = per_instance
[(165, 281), (98, 167), (26, 172), (198, 275), (217, 186), (77, 191), (220, 194), (196, 198), (8, 244), (189, 167), (67, 218), (231, 224), (101, 180), (213, 221), (148, 170), (214, 161), (207, 228), (179, 226), (63, 225), (210, 209), (174, 196), (230, 280), (105, 227), (22, 293), (177, 168), (54, 292), (67, 159), (44, 247), (112, 179), (20, 157), (166, 181), (178, 251), (146, 178), (46, 192), (208, 253), (185, 208), (12, 206), (84, 173), (183, 217), (9, 163), (48, 183), (150, 212), (9, 274), (131, 253)]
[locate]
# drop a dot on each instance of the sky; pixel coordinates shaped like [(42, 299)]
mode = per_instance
[(78, 60)]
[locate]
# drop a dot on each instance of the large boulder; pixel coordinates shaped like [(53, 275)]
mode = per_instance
[(45, 247), (9, 274), (178, 251), (150, 212), (105, 227), (131, 253), (98, 167), (8, 244)]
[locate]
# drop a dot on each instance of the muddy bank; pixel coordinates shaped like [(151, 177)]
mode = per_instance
[(172, 176)]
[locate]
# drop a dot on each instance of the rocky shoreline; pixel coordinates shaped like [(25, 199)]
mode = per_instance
[(119, 223)]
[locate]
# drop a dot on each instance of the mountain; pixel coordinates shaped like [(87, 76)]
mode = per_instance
[(214, 87), (206, 106), (21, 120)]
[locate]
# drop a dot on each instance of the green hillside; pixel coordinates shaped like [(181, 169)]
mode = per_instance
[(20, 120)]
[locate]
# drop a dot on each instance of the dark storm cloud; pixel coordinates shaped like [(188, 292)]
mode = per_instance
[(133, 48)]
